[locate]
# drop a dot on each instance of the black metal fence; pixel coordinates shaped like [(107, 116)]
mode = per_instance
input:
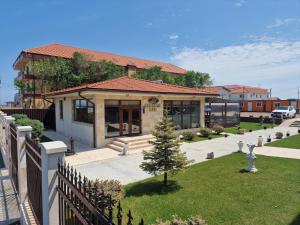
[(34, 178), (14, 155), (46, 116), (82, 203)]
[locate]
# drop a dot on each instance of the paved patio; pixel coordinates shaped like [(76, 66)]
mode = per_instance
[(126, 168)]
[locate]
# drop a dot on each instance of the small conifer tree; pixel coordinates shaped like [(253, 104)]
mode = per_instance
[(166, 155)]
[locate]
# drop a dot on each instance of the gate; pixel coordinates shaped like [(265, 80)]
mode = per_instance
[(82, 203), (34, 178), (14, 155)]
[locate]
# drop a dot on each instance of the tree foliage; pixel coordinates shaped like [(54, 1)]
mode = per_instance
[(190, 79), (166, 155), (59, 73)]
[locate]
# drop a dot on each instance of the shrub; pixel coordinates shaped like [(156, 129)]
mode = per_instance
[(205, 132), (261, 120), (187, 136), (279, 135), (194, 220), (278, 121), (241, 131), (111, 188), (218, 129), (37, 126), (20, 116)]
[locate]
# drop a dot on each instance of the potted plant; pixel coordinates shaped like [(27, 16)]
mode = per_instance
[(260, 141), (279, 135), (269, 139), (240, 145)]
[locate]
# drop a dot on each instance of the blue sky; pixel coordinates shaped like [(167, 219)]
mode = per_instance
[(253, 42)]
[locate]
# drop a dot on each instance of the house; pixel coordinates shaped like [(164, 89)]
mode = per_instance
[(32, 98), (97, 113), (241, 92), (268, 105)]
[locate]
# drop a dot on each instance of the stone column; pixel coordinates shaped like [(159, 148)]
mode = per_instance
[(202, 112), (51, 152), (100, 121), (22, 131)]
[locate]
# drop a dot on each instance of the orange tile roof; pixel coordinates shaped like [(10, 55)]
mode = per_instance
[(135, 85), (249, 90), (59, 50)]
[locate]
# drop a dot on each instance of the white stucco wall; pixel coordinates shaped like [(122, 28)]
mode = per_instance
[(69, 128)]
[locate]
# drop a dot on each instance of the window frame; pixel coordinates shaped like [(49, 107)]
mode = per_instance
[(87, 105), (170, 103), (259, 104)]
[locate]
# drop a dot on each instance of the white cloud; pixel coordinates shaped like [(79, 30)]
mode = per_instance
[(283, 22), (239, 3), (173, 36), (148, 25), (269, 64)]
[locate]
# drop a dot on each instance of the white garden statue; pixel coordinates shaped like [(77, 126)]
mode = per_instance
[(251, 158)]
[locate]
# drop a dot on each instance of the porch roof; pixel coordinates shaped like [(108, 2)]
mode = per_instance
[(136, 85)]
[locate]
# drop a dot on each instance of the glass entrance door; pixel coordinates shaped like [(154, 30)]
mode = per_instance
[(131, 121)]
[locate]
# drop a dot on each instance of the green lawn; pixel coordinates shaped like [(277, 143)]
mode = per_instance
[(200, 138), (219, 192), (290, 142), (248, 126)]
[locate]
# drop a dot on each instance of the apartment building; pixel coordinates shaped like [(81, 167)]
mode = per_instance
[(32, 97)]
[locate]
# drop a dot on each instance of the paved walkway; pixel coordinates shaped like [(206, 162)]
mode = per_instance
[(9, 208), (126, 168), (279, 152)]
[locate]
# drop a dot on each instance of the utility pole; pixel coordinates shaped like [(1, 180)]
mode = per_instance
[(270, 92)]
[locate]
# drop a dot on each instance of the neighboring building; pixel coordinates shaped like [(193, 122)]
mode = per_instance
[(97, 113), (268, 105), (33, 98), (241, 92)]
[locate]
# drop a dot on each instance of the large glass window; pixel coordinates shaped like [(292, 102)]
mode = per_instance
[(112, 121), (83, 111), (184, 114)]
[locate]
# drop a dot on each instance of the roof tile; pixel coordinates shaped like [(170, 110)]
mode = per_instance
[(134, 84), (59, 50)]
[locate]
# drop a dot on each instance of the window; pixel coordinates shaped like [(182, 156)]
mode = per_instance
[(61, 109), (184, 114), (276, 104), (259, 104), (83, 111)]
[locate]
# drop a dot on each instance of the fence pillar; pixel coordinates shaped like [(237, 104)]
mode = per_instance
[(7, 156), (51, 152), (22, 131)]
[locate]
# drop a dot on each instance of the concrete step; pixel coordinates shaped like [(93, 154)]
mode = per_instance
[(140, 146), (117, 143), (115, 147), (138, 142)]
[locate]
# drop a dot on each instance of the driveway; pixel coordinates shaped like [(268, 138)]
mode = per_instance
[(126, 168)]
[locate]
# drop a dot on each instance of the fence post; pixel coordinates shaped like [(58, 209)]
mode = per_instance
[(51, 152), (8, 121), (22, 131)]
